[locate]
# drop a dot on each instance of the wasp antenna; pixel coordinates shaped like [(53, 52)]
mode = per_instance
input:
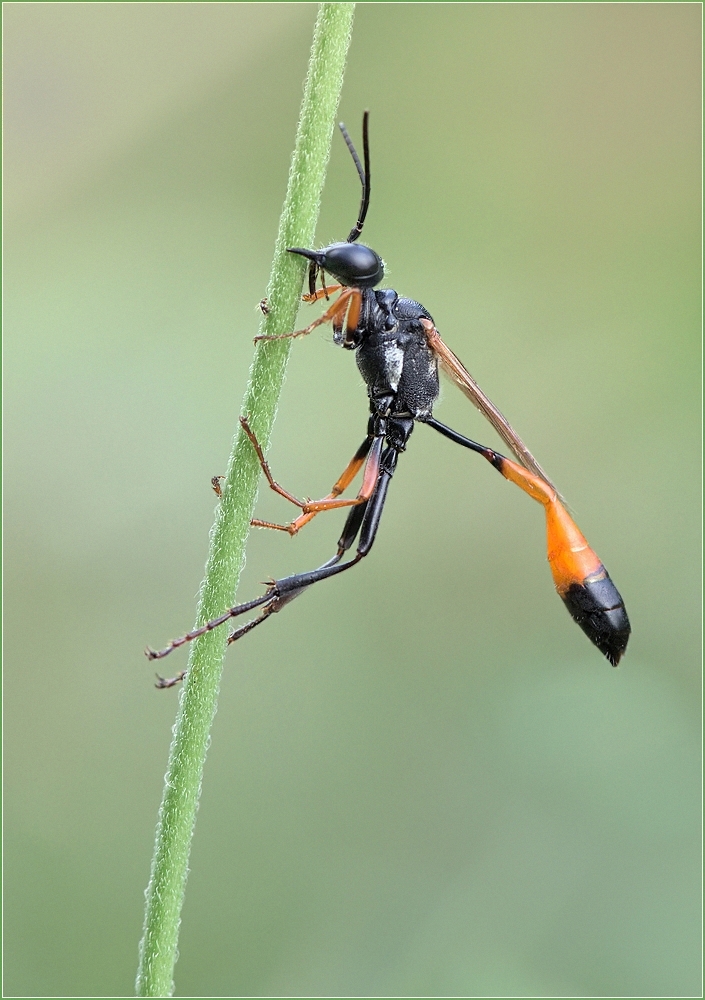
[(363, 174)]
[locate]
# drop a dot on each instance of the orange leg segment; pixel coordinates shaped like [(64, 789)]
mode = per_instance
[(369, 450), (334, 314), (352, 469), (353, 316), (369, 481), (324, 292)]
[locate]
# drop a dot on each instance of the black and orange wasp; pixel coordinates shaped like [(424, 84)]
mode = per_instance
[(399, 352)]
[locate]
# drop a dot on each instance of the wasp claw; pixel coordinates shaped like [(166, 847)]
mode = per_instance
[(168, 682)]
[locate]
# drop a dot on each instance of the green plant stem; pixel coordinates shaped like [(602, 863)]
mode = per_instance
[(198, 701)]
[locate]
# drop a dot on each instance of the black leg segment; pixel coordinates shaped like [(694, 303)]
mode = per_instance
[(363, 519)]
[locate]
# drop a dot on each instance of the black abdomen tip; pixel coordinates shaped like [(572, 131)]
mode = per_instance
[(596, 605)]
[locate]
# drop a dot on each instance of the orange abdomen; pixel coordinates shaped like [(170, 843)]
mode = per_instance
[(584, 584), (581, 580)]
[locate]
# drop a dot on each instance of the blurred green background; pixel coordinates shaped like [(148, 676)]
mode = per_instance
[(423, 780)]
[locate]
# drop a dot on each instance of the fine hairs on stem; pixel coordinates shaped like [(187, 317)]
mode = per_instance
[(198, 700)]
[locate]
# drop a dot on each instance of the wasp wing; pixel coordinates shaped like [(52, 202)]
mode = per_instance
[(453, 367)]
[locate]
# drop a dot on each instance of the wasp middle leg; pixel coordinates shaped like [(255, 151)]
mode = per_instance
[(363, 521)]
